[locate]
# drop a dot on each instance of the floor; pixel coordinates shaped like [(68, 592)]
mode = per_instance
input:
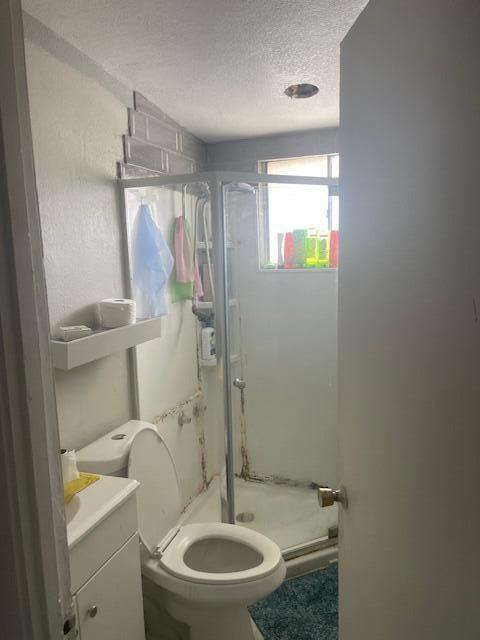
[(304, 608), (288, 515)]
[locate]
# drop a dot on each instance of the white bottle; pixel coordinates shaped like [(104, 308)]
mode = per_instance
[(208, 343)]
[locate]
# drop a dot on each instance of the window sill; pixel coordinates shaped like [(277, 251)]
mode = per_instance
[(324, 270)]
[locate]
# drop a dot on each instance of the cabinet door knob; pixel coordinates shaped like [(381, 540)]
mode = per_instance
[(92, 611)]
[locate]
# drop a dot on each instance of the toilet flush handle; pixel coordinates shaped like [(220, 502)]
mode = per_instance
[(92, 611)]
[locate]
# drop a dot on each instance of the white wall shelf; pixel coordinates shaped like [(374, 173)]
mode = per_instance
[(68, 355)]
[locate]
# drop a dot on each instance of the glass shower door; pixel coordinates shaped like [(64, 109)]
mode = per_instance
[(263, 437), (282, 292)]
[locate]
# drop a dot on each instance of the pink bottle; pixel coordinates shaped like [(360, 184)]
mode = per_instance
[(288, 262), (333, 249)]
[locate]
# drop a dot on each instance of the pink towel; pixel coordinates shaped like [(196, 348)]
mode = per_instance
[(183, 253), (186, 268)]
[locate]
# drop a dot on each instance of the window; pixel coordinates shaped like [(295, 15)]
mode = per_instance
[(299, 223)]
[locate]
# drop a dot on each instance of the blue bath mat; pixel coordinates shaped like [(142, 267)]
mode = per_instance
[(304, 608)]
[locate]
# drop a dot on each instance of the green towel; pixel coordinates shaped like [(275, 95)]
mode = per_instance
[(181, 290)]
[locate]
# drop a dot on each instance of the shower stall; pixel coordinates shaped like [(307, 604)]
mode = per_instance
[(269, 389)]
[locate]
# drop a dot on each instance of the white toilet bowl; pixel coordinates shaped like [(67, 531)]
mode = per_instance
[(206, 574), (210, 573)]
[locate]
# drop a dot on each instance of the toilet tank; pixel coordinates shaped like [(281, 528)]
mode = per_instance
[(108, 455)]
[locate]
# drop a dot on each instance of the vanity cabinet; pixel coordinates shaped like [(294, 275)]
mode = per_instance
[(108, 605), (104, 551)]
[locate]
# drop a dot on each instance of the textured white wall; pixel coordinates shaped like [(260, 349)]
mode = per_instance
[(78, 117), (77, 127), (244, 155)]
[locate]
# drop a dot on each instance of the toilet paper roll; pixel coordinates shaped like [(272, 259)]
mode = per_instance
[(117, 312)]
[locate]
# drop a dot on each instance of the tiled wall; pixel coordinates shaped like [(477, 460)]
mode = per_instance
[(158, 143)]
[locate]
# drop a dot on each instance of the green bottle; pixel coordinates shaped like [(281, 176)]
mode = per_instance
[(299, 253), (311, 250), (323, 249)]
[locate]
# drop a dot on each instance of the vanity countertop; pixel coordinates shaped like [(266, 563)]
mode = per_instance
[(94, 504)]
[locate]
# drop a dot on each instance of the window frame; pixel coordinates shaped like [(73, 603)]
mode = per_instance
[(263, 222)]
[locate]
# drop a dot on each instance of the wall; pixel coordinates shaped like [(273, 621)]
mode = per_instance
[(409, 332), (79, 117), (77, 126), (244, 155), (167, 373)]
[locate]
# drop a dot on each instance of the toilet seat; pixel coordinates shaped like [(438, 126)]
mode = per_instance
[(211, 554), (173, 558)]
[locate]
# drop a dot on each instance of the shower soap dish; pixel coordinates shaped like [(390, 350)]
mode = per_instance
[(72, 333)]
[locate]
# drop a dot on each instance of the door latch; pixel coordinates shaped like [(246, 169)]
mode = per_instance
[(327, 497)]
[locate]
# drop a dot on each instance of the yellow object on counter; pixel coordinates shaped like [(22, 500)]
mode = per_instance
[(75, 486)]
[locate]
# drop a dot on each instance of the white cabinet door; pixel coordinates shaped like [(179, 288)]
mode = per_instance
[(109, 605), (409, 322)]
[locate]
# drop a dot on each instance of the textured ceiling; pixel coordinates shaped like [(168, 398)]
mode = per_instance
[(219, 67)]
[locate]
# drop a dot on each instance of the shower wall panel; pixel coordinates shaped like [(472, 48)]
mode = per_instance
[(289, 352)]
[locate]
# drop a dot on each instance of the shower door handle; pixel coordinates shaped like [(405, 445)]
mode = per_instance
[(327, 496)]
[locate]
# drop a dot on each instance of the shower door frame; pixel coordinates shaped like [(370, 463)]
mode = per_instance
[(217, 182)]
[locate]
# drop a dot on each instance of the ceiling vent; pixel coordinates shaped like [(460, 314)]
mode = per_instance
[(303, 90)]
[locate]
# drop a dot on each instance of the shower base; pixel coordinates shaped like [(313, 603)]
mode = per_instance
[(288, 515)]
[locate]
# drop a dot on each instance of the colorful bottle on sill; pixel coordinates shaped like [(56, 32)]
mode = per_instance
[(288, 262), (334, 237), (280, 247), (323, 249), (311, 250), (299, 238)]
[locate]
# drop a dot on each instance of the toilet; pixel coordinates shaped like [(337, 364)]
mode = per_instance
[(204, 575)]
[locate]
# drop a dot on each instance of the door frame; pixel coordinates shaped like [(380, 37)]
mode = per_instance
[(36, 599)]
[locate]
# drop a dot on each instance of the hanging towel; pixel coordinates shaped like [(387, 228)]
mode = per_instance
[(186, 275), (183, 252), (152, 265)]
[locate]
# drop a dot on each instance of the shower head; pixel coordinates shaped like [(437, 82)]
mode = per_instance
[(240, 187), (198, 189)]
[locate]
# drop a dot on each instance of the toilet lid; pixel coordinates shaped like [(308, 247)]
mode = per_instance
[(158, 497)]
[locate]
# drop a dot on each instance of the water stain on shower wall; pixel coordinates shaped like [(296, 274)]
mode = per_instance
[(183, 428)]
